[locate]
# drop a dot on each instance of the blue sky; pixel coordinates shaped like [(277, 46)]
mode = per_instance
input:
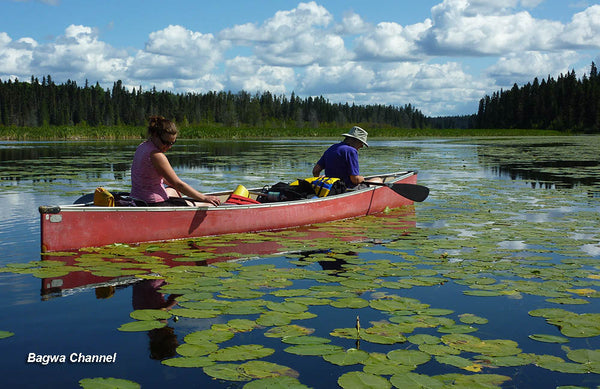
[(440, 56)]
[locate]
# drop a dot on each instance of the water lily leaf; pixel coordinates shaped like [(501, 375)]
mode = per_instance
[(382, 339), (549, 338), (207, 336), (5, 334), (241, 353), (287, 307), (454, 360), (288, 330), (226, 371), (108, 383), (350, 302), (583, 355), (276, 383), (347, 333), (237, 325), (415, 381), (409, 357), (424, 339), (314, 349), (143, 325), (568, 300), (196, 350), (273, 318), (304, 339), (494, 348), (347, 357), (457, 329), (359, 380), (469, 318), (262, 369), (438, 349), (150, 314), (195, 313), (198, 361)]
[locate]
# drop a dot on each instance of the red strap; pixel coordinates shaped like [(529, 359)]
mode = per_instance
[(240, 200)]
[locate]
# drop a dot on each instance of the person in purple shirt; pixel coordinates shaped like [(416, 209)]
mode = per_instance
[(341, 159)]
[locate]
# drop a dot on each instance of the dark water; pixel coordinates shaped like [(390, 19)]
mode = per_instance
[(542, 196)]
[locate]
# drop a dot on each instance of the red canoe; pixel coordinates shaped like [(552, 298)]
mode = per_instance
[(71, 227)]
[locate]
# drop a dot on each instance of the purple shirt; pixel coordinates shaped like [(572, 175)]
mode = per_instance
[(340, 160), (146, 183)]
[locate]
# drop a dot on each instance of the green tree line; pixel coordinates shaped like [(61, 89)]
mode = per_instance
[(564, 104), (43, 104)]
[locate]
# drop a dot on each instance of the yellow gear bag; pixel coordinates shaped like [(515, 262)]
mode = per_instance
[(103, 198), (324, 186)]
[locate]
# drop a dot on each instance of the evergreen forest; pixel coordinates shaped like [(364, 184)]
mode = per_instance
[(35, 104), (564, 104)]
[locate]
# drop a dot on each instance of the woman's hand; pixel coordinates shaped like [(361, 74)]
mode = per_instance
[(214, 200)]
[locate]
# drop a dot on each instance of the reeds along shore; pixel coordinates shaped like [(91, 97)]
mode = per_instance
[(13, 133)]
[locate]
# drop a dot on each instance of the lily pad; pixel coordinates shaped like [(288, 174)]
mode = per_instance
[(360, 380), (241, 353), (108, 383), (143, 325), (226, 371), (347, 357), (549, 338), (276, 383), (314, 349), (150, 314), (189, 362), (407, 380)]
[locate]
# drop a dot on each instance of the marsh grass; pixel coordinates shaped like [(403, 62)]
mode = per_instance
[(265, 132)]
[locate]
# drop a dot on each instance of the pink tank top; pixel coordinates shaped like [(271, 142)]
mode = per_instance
[(146, 183)]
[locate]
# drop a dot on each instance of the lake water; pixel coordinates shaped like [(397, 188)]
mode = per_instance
[(493, 279)]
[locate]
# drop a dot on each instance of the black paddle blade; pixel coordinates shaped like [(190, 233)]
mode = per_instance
[(412, 192)]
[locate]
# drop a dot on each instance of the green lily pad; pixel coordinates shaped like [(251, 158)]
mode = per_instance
[(143, 325), (196, 350), (226, 371), (350, 302), (262, 369), (241, 353), (360, 380), (549, 338), (150, 314), (288, 330), (207, 336), (415, 381), (108, 383), (347, 357), (314, 349), (276, 383), (189, 362), (409, 357), (304, 339), (5, 334)]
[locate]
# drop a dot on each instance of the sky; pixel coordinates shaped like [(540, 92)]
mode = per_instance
[(440, 56)]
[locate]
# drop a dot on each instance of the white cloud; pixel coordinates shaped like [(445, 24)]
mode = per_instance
[(79, 54), (392, 42), (457, 30), (523, 67), (584, 29), (352, 24), (15, 57), (291, 38), (347, 77), (249, 74)]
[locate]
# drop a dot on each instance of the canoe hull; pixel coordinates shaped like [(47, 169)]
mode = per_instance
[(74, 226)]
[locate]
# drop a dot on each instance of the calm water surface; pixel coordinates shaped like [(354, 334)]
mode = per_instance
[(524, 201)]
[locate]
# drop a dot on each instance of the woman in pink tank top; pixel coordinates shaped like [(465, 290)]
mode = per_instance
[(151, 170)]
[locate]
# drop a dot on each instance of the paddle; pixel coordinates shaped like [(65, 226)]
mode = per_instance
[(412, 192)]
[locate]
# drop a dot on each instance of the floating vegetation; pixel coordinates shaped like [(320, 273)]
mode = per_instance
[(431, 284)]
